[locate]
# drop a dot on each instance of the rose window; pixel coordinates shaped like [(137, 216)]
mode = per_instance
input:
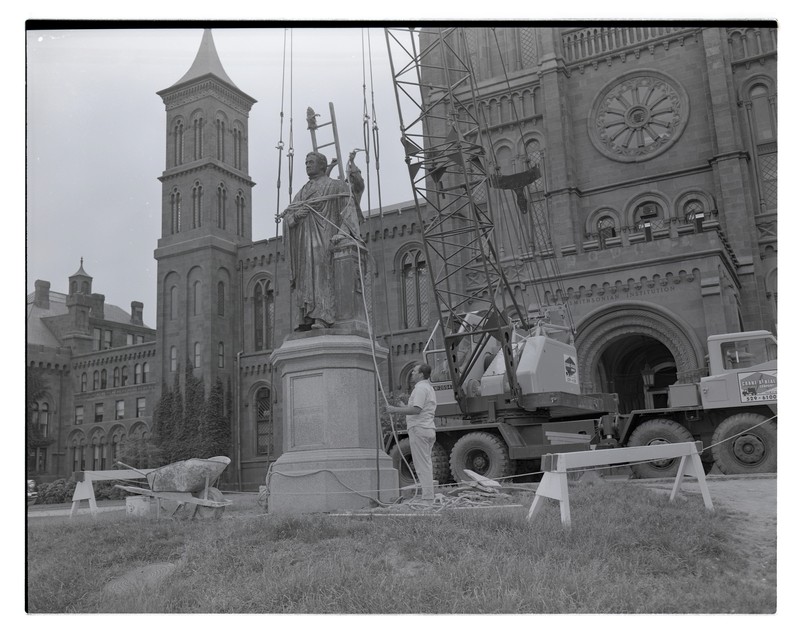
[(638, 116)]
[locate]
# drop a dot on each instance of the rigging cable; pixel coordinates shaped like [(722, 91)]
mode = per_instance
[(557, 277), (376, 146)]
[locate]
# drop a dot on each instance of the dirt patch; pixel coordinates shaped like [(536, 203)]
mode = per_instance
[(140, 579)]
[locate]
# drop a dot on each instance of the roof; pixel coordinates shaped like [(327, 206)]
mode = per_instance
[(36, 330), (39, 333), (81, 272), (206, 62)]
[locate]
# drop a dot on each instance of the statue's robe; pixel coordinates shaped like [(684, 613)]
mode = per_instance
[(310, 248)]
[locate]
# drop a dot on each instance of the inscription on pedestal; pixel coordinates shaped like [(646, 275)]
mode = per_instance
[(307, 416)]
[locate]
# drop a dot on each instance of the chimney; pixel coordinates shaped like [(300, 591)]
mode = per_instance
[(41, 297), (136, 312), (98, 305)]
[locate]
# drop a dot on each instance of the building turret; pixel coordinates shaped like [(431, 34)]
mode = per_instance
[(80, 300)]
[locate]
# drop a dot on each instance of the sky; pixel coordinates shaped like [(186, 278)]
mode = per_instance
[(96, 136)]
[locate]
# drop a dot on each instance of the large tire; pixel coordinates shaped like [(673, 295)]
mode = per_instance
[(483, 453), (653, 432), (439, 460), (748, 450)]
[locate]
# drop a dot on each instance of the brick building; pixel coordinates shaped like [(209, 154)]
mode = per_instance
[(96, 361), (658, 148)]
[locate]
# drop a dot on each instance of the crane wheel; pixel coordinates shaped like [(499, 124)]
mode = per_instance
[(402, 459), (738, 446), (481, 452), (658, 431)]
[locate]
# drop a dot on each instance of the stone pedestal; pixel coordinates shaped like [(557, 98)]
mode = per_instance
[(331, 460)]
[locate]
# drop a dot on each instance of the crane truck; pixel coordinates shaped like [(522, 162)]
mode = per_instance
[(507, 383), (732, 410)]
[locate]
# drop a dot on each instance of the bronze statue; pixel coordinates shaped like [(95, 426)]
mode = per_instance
[(324, 213)]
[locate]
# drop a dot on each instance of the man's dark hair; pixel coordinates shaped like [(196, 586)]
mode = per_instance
[(320, 157), (425, 370)]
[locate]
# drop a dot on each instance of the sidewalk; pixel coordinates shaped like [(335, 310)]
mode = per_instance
[(63, 508)]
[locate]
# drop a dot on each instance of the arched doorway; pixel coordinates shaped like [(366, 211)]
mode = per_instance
[(639, 369), (636, 350)]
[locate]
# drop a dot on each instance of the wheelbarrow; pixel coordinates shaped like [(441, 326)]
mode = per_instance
[(188, 484)]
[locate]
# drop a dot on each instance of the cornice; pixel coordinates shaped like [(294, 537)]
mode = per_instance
[(198, 166), (178, 96)]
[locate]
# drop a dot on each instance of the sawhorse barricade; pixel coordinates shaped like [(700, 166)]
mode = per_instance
[(84, 489), (556, 465)]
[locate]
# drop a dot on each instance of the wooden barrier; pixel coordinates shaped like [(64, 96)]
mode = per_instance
[(556, 465), (84, 489)]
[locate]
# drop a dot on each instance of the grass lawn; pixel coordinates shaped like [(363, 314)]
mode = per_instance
[(629, 551)]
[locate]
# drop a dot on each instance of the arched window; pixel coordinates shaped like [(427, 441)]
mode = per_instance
[(239, 202), (137, 373), (95, 381), (238, 141), (196, 297), (198, 360), (116, 377), (44, 419), (605, 229), (124, 376), (175, 210), (177, 139), (116, 440), (78, 455), (197, 204), (97, 465), (648, 212), (173, 359), (220, 298), (691, 208), (222, 197), (173, 302), (763, 124), (145, 371), (103, 379), (197, 126), (73, 287), (264, 430), (415, 289), (221, 355), (220, 139), (263, 315), (83, 381), (40, 418), (762, 114)]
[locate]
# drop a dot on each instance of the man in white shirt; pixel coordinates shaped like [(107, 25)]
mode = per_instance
[(421, 429)]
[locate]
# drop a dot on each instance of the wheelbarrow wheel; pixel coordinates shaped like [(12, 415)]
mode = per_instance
[(202, 512)]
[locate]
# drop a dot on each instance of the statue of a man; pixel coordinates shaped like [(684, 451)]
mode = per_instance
[(322, 214)]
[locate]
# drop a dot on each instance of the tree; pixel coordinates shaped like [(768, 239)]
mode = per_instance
[(216, 440), (194, 401), (163, 427), (35, 390)]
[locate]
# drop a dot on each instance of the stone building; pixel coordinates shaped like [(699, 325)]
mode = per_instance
[(658, 149), (98, 364)]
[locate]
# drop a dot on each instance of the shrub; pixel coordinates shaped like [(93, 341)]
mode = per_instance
[(55, 492), (107, 491)]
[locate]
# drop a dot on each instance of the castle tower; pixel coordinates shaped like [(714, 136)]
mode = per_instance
[(80, 305), (206, 215)]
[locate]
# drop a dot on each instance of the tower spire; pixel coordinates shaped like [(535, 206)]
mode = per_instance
[(206, 62)]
